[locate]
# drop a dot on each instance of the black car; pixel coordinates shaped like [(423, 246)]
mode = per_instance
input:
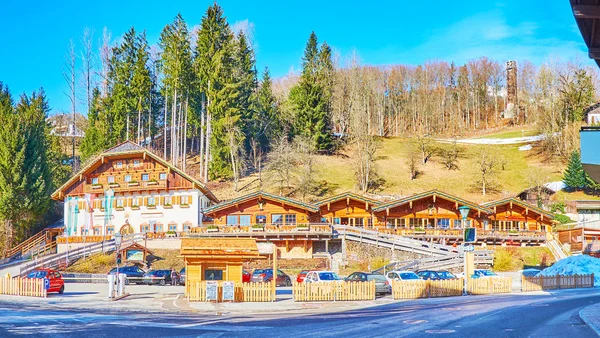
[(382, 285), (266, 276), (134, 273), (160, 277), (435, 275)]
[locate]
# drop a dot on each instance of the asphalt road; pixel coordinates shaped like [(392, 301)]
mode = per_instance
[(514, 315)]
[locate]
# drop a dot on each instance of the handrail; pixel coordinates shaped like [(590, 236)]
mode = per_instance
[(28, 243)]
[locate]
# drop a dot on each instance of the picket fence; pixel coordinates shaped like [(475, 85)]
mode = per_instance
[(333, 291), (195, 291), (32, 287), (557, 282), (412, 289), (489, 285)]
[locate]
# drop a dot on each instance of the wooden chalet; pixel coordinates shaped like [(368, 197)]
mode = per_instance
[(348, 209)]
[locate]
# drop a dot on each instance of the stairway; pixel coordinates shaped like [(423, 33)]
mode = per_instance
[(28, 245), (557, 251)]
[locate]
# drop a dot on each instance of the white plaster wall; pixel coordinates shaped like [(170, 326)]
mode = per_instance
[(136, 218)]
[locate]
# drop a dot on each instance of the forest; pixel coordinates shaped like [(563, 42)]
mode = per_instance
[(197, 99)]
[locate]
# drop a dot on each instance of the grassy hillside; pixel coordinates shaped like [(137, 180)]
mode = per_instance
[(335, 174)]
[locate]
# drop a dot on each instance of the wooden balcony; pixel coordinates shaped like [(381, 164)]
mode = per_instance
[(488, 236), (125, 187), (264, 230)]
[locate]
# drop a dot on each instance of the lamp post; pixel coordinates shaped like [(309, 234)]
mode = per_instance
[(108, 199), (464, 212)]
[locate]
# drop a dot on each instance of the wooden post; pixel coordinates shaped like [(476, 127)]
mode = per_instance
[(274, 291)]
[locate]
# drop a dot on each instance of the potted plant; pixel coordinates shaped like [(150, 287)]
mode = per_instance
[(171, 233), (113, 185), (135, 207), (302, 227), (419, 230), (258, 227), (184, 205), (133, 183), (151, 206), (152, 182), (212, 228), (97, 186), (167, 206), (513, 232)]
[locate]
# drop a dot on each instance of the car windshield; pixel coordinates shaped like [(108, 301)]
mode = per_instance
[(408, 276), (488, 273), (38, 274), (303, 272), (259, 271), (377, 278), (182, 270), (328, 276), (446, 274)]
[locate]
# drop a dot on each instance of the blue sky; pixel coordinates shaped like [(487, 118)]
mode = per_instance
[(35, 34)]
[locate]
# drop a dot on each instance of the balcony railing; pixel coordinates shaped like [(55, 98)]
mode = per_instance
[(458, 233), (323, 228), (143, 185)]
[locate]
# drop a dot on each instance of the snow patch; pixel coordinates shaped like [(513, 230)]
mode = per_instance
[(575, 265), (525, 148)]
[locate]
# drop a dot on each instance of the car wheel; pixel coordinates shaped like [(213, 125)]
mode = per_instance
[(162, 282), (288, 282), (62, 290)]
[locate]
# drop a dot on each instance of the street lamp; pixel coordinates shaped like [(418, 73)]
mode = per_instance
[(464, 212)]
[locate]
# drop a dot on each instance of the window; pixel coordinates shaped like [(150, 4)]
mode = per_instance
[(213, 274), (97, 230), (145, 227), (172, 227), (95, 180), (110, 179), (186, 227), (127, 178), (290, 219), (85, 231), (359, 222), (185, 200), (135, 202), (136, 163), (167, 200), (337, 221), (457, 224), (158, 228), (261, 219), (120, 202), (162, 176), (277, 218), (414, 222), (145, 177), (151, 201), (110, 230), (119, 164), (232, 220), (443, 223), (245, 219)]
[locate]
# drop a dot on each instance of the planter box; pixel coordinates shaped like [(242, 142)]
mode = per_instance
[(136, 184), (113, 185), (184, 205), (258, 229), (152, 183), (151, 207), (420, 232), (302, 228), (212, 230), (167, 206), (513, 234), (96, 186), (135, 208)]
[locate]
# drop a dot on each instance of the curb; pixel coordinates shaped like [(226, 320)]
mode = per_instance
[(585, 316)]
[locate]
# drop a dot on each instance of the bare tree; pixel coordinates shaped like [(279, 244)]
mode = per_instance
[(424, 142), (105, 55), (280, 165), (450, 156), (413, 167), (87, 65), (69, 76), (486, 164)]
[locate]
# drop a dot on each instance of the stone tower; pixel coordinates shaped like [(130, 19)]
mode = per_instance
[(510, 111)]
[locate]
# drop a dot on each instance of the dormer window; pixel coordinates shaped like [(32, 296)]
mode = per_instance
[(95, 180), (119, 165), (136, 163)]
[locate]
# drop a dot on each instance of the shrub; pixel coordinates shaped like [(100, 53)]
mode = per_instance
[(559, 206), (563, 219), (257, 226)]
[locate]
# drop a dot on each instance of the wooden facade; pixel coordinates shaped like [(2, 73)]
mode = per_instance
[(512, 214), (262, 209), (429, 210), (216, 259), (347, 209)]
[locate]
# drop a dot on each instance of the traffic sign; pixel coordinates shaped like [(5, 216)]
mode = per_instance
[(46, 284)]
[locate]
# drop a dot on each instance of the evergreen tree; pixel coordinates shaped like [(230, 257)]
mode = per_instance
[(311, 97), (95, 139), (574, 175)]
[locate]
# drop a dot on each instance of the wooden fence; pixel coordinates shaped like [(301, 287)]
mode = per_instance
[(556, 282), (489, 285), (332, 291), (32, 287), (412, 289), (195, 291)]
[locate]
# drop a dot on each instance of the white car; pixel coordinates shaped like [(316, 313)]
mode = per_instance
[(321, 276), (401, 275)]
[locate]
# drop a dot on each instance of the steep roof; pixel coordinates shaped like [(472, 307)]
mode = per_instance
[(126, 148), (261, 194), (240, 247), (349, 195), (520, 203), (435, 192)]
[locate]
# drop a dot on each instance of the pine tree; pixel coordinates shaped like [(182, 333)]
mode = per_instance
[(574, 175), (311, 97)]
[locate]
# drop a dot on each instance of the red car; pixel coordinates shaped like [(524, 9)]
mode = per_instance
[(246, 276), (57, 284), (301, 276)]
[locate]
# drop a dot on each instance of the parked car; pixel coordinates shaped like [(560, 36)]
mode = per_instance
[(530, 272), (57, 284), (401, 275), (435, 275), (480, 273), (301, 276), (160, 277), (382, 286), (321, 276), (133, 273), (246, 276), (182, 276), (266, 275)]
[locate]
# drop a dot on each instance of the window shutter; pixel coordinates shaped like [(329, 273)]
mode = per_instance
[(129, 201), (176, 200), (145, 201)]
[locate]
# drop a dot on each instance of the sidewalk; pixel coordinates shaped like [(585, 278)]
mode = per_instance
[(591, 316)]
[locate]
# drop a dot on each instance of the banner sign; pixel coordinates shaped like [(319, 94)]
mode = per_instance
[(228, 291), (212, 291)]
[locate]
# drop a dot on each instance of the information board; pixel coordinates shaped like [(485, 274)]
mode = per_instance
[(212, 291), (228, 291)]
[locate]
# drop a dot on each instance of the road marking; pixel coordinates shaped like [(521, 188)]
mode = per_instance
[(442, 331), (415, 321)]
